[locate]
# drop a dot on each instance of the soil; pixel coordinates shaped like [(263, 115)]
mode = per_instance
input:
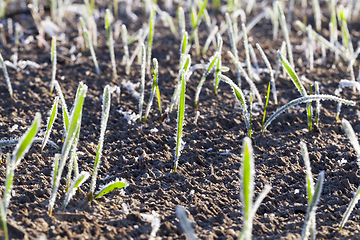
[(207, 184)]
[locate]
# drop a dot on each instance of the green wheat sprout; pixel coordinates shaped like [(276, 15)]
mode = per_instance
[(74, 124), (218, 63), (180, 119), (306, 99), (111, 186), (104, 120), (154, 89), (76, 183), (246, 46), (6, 76), (142, 81), (110, 41), (53, 63), (90, 44), (239, 95), (50, 122), (247, 172), (150, 39)]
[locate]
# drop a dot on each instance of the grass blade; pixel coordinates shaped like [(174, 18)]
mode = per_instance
[(185, 223), (6, 76), (247, 186), (53, 63), (117, 184), (110, 42), (51, 120), (180, 119), (154, 88), (3, 221), (306, 100), (143, 71), (241, 98), (312, 206), (74, 124), (350, 208), (77, 182), (203, 78), (104, 121), (266, 103), (91, 47), (352, 137)]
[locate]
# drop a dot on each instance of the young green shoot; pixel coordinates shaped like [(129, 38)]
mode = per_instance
[(185, 223), (306, 99), (286, 33), (104, 119), (299, 86), (154, 88), (142, 81), (182, 26), (247, 78), (180, 119), (233, 45), (309, 187), (355, 143), (150, 40), (247, 52), (203, 78), (6, 76), (53, 63), (241, 99), (64, 107), (117, 184), (110, 41), (3, 221), (266, 103), (272, 78), (218, 63), (247, 172), (318, 105), (124, 37), (51, 120), (74, 124), (76, 183), (20, 150), (196, 20), (311, 210), (90, 44)]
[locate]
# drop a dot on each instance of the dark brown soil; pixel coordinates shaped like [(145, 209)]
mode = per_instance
[(207, 182)]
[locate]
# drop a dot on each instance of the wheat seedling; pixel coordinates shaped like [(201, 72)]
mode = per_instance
[(309, 187), (286, 32), (3, 221), (185, 223), (241, 99), (124, 37), (271, 72), (51, 120), (150, 40), (233, 45), (247, 78), (266, 103), (143, 69), (76, 183), (247, 172), (218, 63), (180, 119), (6, 76), (299, 87), (74, 124), (154, 88), (53, 63), (247, 52), (203, 78), (318, 105), (306, 99), (90, 44), (104, 119), (355, 143), (20, 150), (309, 224), (110, 41), (111, 186)]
